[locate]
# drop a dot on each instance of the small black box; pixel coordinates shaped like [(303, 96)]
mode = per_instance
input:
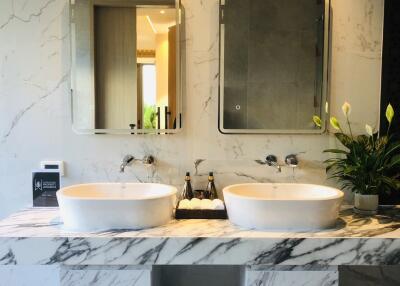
[(45, 184)]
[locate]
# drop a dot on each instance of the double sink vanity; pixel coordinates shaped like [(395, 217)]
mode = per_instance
[(129, 227), (140, 206)]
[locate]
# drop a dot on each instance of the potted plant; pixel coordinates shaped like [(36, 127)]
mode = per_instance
[(368, 165)]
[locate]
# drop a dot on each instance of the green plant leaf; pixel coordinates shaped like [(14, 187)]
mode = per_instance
[(149, 117), (363, 139), (335, 151), (393, 148), (394, 161), (344, 139), (381, 142), (332, 160), (390, 182), (349, 169), (369, 165)]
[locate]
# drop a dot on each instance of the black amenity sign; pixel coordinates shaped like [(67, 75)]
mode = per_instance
[(45, 184)]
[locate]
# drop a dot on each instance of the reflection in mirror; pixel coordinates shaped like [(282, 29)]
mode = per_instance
[(126, 64), (273, 65)]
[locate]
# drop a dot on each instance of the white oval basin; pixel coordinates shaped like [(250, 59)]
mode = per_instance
[(91, 207), (283, 206)]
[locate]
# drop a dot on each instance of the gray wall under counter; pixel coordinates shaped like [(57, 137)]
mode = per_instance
[(369, 276), (198, 275)]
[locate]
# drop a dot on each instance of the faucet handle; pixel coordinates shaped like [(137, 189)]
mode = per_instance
[(148, 160), (271, 160), (292, 161)]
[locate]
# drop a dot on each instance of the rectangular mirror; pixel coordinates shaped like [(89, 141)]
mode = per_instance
[(126, 66), (273, 65)]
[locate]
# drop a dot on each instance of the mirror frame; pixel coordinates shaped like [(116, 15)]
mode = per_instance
[(325, 82), (180, 62)]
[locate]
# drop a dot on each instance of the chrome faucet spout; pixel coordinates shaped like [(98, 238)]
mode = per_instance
[(272, 161), (127, 160)]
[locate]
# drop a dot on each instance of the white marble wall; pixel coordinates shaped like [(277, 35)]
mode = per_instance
[(23, 275), (40, 275), (105, 276), (35, 105), (357, 33)]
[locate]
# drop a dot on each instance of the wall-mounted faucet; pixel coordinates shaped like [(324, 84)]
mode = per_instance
[(272, 161), (129, 159)]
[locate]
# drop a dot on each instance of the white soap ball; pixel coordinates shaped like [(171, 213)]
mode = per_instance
[(195, 203), (217, 204), (206, 204), (184, 204)]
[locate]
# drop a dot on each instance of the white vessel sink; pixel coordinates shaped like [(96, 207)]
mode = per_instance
[(283, 206), (102, 206)]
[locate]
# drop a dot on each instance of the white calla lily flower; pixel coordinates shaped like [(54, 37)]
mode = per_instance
[(346, 108), (369, 130)]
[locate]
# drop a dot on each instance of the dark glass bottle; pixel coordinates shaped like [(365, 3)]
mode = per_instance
[(187, 192), (211, 191)]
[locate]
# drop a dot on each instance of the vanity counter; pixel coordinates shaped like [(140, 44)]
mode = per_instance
[(35, 236)]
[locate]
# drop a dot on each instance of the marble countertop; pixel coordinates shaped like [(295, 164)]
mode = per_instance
[(36, 236)]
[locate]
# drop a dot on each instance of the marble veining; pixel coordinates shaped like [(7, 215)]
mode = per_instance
[(104, 276), (355, 241), (35, 100)]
